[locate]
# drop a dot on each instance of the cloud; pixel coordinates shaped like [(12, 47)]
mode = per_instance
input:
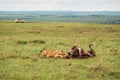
[(60, 5)]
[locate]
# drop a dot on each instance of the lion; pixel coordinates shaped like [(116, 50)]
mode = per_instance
[(76, 51), (53, 53), (91, 52)]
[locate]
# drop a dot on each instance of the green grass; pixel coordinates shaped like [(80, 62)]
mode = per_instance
[(21, 43)]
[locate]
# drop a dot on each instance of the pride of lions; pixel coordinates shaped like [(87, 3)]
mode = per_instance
[(74, 52)]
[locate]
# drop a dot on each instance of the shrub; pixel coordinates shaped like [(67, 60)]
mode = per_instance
[(22, 42)]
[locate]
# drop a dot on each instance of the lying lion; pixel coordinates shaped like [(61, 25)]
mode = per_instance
[(53, 53), (76, 52)]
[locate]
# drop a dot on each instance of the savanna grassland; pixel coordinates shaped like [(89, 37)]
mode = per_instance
[(21, 43)]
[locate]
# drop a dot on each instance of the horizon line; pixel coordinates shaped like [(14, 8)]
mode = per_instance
[(65, 10)]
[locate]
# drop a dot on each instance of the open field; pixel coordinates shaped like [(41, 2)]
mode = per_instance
[(21, 43)]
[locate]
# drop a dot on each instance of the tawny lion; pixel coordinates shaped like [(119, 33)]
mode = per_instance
[(53, 53)]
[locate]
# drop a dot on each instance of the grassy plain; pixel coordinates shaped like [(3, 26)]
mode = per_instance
[(21, 43)]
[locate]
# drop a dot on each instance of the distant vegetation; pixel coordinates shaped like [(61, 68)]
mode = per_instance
[(109, 17)]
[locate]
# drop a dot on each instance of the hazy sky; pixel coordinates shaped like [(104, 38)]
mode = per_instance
[(51, 5)]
